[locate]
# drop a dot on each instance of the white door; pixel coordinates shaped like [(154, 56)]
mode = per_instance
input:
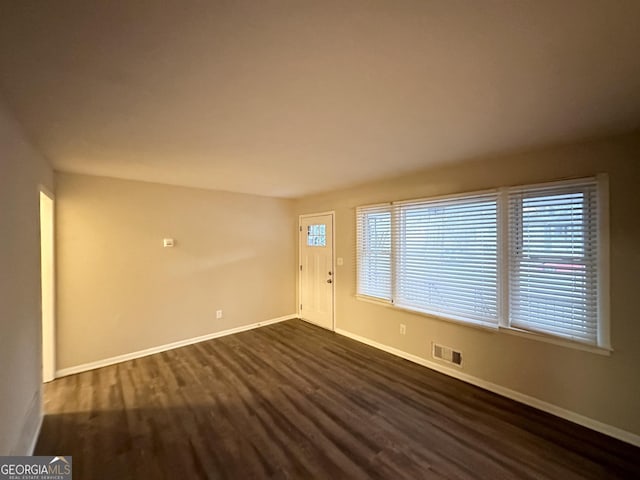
[(316, 269)]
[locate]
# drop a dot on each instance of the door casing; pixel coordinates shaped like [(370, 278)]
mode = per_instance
[(47, 283)]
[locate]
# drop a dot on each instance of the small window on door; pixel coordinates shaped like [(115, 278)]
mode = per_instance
[(317, 235)]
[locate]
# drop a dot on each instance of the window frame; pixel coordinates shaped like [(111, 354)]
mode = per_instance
[(471, 197), (369, 210), (602, 344)]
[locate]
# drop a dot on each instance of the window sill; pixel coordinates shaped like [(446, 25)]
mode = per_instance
[(467, 323), (541, 337)]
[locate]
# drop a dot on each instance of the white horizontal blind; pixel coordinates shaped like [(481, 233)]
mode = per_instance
[(374, 251), (446, 257), (553, 246)]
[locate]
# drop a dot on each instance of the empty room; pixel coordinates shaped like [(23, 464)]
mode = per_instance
[(338, 239)]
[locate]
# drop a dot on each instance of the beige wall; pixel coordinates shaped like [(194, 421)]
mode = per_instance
[(606, 389), (22, 170), (120, 291)]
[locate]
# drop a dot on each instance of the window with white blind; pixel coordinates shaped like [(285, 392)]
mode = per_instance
[(446, 257), (553, 260), (526, 258), (374, 251)]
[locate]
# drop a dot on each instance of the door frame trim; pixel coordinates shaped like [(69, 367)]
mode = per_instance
[(333, 265), (48, 318)]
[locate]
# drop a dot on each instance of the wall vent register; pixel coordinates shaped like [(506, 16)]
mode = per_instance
[(446, 354)]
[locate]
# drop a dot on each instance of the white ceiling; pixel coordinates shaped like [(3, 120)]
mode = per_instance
[(288, 98)]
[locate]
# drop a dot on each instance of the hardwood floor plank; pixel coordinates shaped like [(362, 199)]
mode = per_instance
[(293, 401)]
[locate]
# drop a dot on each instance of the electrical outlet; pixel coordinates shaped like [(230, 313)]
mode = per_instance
[(218, 314), (403, 329)]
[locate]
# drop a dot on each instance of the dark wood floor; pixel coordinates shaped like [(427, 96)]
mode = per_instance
[(294, 401)]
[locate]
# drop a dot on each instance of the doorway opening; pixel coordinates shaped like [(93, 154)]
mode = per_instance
[(47, 284)]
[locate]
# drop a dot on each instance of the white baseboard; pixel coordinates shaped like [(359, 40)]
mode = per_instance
[(596, 425), (31, 425), (163, 348)]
